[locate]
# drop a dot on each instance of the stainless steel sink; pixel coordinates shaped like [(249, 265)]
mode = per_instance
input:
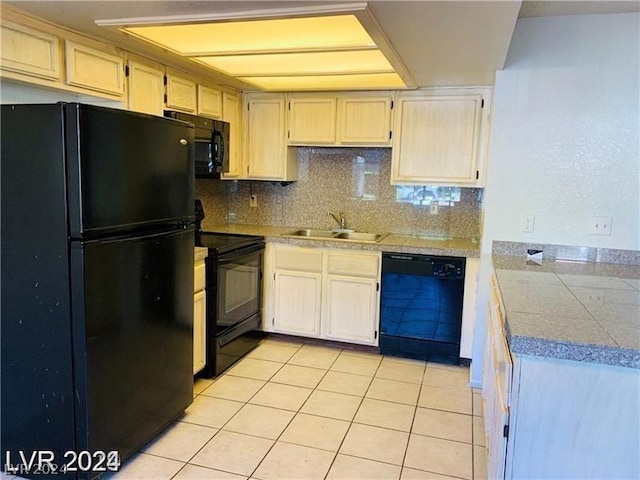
[(361, 236), (332, 235), (310, 232)]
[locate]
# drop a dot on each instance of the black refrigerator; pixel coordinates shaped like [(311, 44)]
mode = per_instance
[(97, 280)]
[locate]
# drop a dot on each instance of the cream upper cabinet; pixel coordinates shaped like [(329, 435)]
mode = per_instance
[(232, 113), (145, 84), (364, 120), (440, 137), (209, 102), (94, 69), (312, 120), (266, 155), (29, 51), (181, 93)]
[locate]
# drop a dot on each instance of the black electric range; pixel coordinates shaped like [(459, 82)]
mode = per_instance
[(234, 297)]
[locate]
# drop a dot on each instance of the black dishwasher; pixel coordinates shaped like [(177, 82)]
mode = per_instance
[(421, 306)]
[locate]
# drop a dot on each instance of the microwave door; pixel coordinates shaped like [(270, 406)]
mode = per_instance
[(219, 152)]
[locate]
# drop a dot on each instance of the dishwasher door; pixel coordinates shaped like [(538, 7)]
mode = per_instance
[(421, 306)]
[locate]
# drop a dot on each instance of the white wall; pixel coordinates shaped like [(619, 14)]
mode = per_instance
[(14, 92), (566, 140)]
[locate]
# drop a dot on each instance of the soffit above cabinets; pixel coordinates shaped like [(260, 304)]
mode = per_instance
[(439, 43)]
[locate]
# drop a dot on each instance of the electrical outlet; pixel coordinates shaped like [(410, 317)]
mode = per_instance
[(526, 223), (433, 207), (253, 200), (600, 225)]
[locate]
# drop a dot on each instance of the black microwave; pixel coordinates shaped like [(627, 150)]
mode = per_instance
[(212, 144)]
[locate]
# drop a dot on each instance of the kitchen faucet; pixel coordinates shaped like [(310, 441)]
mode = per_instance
[(340, 219)]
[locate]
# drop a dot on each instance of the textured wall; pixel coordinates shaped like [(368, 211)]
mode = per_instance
[(566, 138), (350, 180)]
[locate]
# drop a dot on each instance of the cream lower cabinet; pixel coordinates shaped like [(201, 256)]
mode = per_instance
[(351, 297), (324, 293), (496, 385), (199, 311), (297, 303)]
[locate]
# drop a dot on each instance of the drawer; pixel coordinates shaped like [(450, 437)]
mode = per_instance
[(199, 277), (298, 259), (354, 265)]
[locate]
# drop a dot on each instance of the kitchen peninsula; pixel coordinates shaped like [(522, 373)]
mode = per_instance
[(572, 402)]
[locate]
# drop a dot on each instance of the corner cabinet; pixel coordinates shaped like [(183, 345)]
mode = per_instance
[(266, 155), (441, 137), (322, 293)]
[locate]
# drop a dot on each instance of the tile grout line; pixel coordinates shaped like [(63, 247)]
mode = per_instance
[(295, 414), (352, 419)]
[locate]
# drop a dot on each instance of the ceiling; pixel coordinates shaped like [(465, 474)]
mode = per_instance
[(439, 42)]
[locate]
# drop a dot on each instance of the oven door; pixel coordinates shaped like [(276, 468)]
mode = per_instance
[(239, 286)]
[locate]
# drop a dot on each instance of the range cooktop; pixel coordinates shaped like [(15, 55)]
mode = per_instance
[(225, 242)]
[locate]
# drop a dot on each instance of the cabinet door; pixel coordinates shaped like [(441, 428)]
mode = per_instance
[(94, 69), (199, 331), (437, 139), (209, 102), (145, 88), (312, 121), (265, 143), (29, 51), (364, 120), (297, 303), (350, 309), (181, 93), (232, 113)]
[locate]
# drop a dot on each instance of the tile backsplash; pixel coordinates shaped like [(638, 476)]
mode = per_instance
[(354, 181)]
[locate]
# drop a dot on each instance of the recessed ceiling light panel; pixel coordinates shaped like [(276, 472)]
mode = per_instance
[(313, 63), (381, 81)]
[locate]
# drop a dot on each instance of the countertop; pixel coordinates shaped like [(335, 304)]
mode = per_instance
[(583, 311), (456, 247)]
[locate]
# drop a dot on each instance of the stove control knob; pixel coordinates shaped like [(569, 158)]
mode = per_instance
[(448, 269)]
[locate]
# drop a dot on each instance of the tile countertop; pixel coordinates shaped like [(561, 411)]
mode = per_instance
[(456, 247), (581, 311)]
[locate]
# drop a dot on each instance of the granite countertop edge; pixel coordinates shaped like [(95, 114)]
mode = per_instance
[(393, 242), (562, 350)]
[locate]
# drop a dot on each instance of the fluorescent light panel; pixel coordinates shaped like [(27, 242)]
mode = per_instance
[(306, 33), (301, 53), (313, 63), (328, 82)]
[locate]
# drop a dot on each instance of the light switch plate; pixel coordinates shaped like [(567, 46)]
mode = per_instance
[(433, 207)]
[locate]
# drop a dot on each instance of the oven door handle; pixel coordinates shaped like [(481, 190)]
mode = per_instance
[(233, 256)]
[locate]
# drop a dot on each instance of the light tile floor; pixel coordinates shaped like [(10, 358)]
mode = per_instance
[(294, 411)]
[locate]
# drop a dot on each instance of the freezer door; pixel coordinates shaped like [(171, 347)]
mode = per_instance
[(126, 170), (132, 307)]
